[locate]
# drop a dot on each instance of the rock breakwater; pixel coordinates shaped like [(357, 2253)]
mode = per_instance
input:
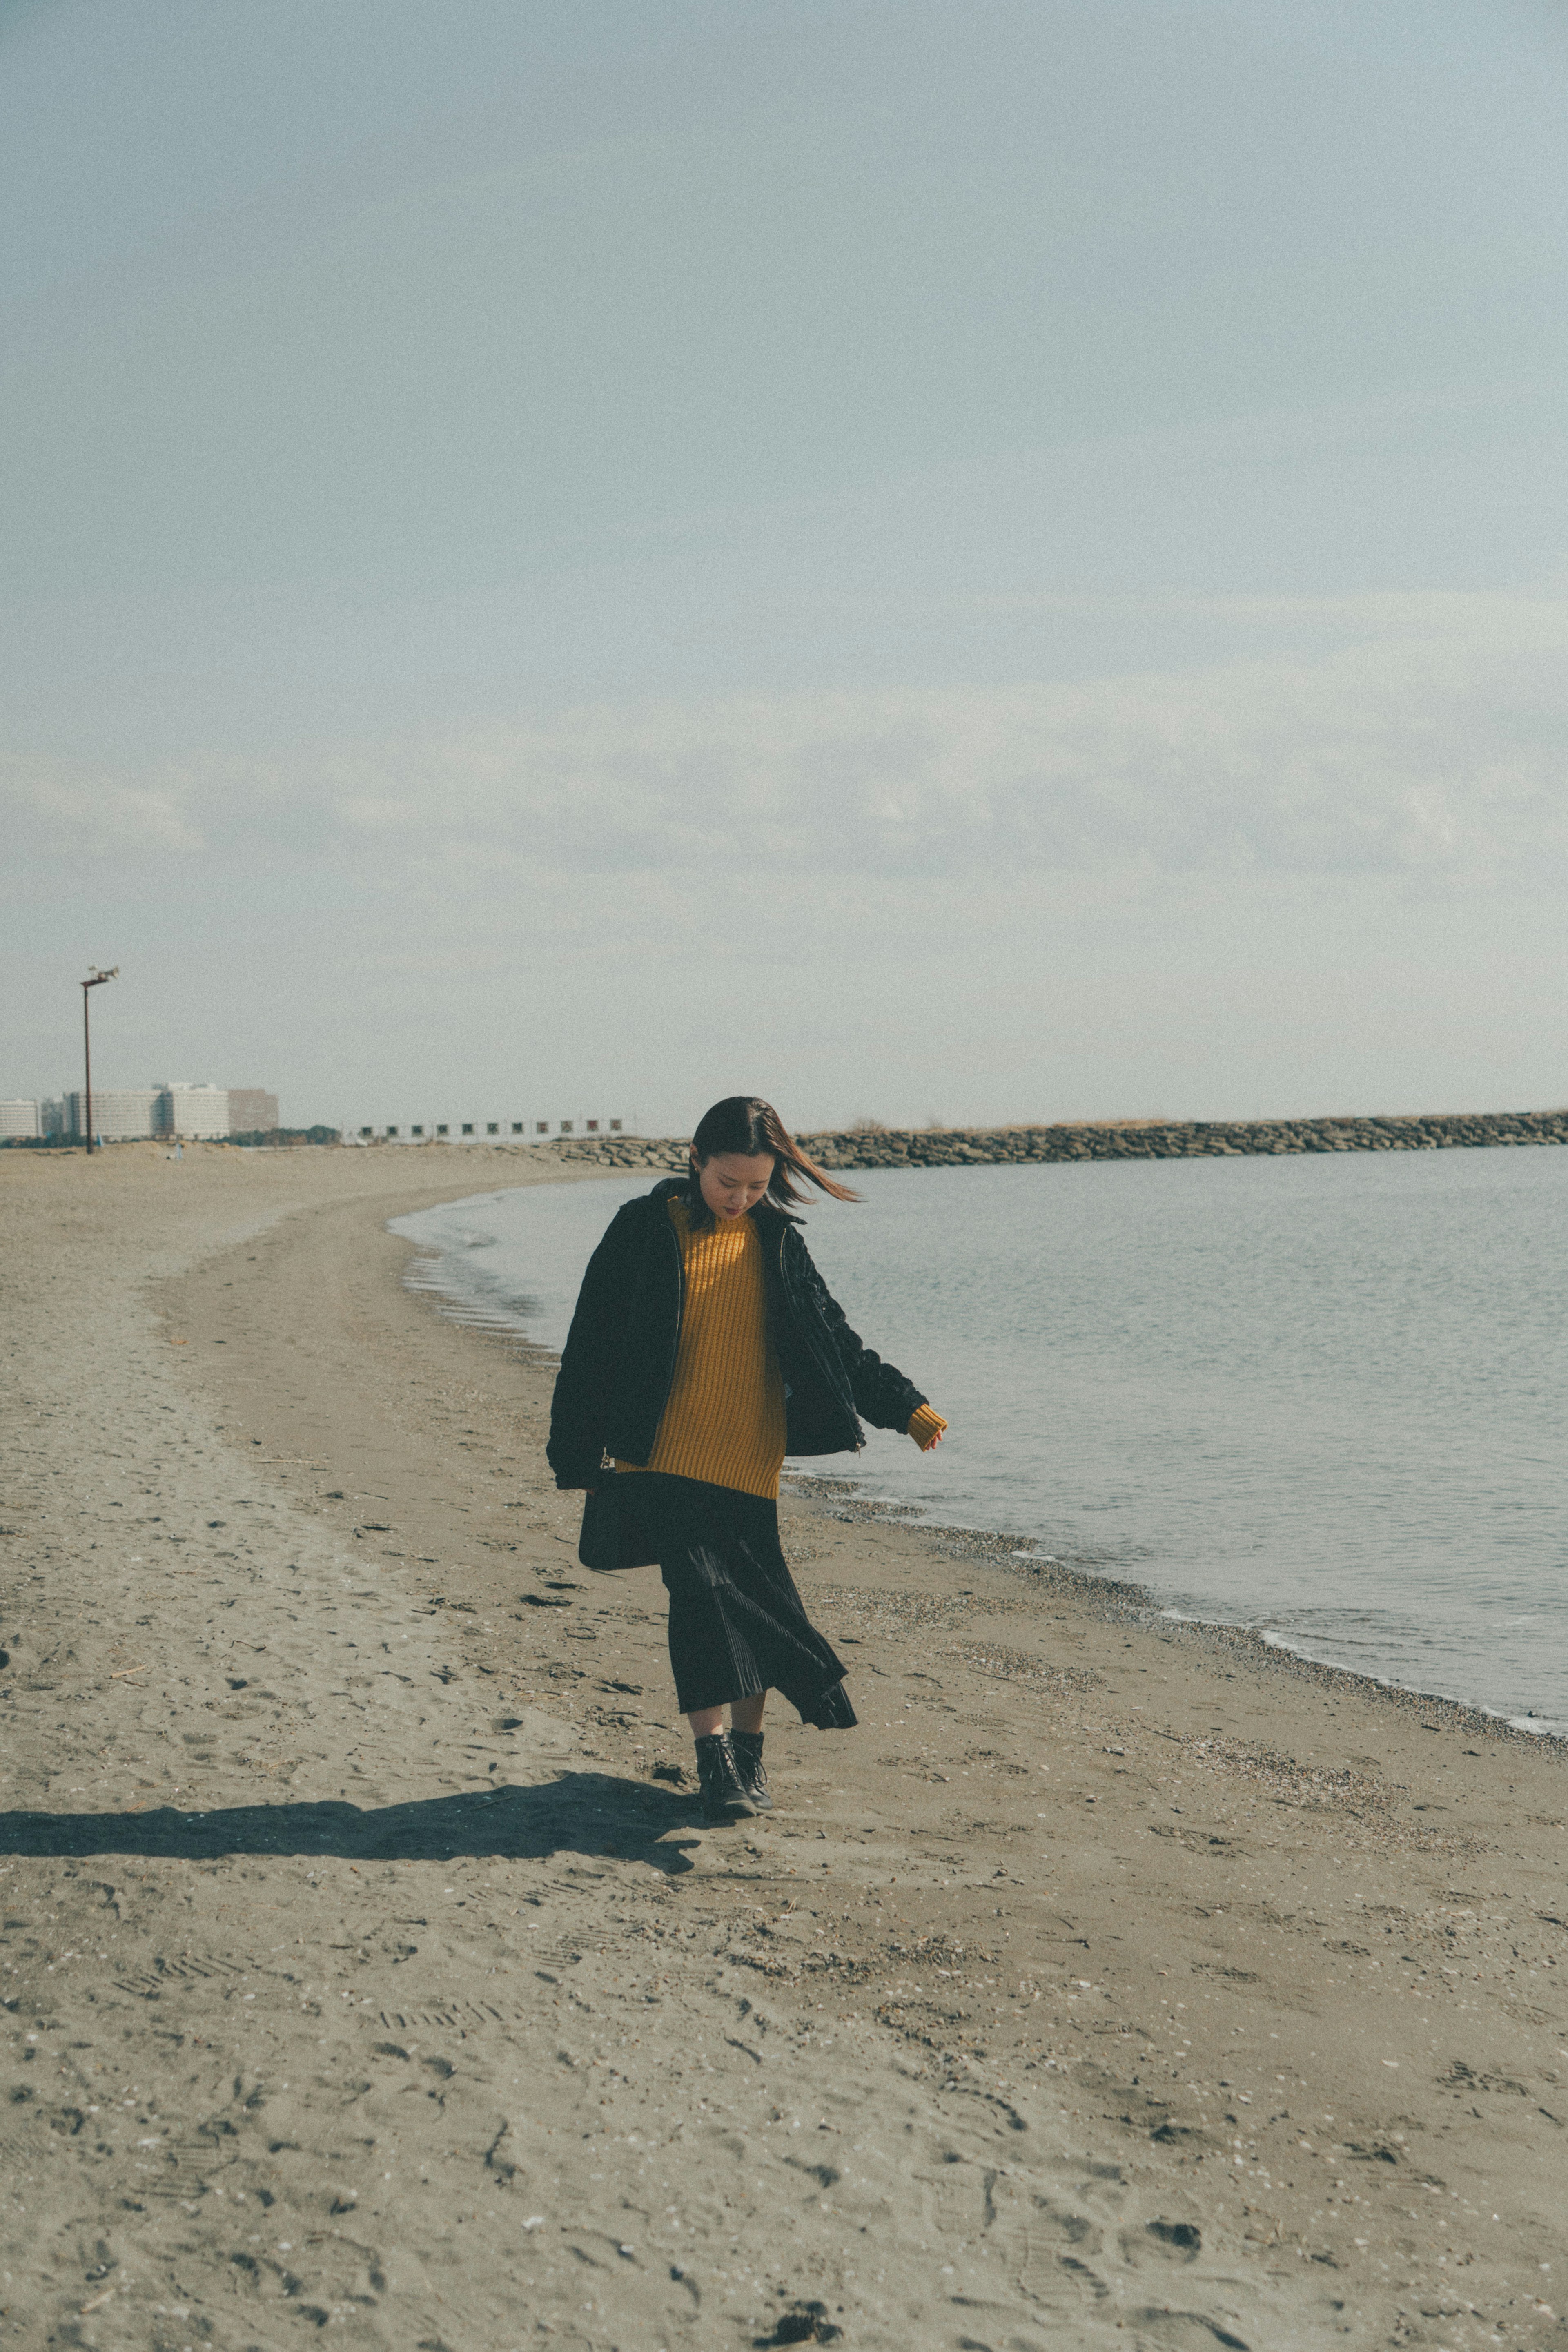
[(1143, 1139)]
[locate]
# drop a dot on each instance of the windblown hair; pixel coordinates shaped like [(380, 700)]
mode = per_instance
[(749, 1126)]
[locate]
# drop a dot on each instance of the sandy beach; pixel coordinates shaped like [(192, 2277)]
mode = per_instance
[(368, 1968)]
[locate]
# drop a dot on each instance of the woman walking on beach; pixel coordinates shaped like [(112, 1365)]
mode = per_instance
[(705, 1347)]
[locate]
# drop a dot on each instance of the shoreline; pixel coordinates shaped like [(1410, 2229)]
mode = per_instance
[(1108, 1986), (1117, 1595), (1123, 1598)]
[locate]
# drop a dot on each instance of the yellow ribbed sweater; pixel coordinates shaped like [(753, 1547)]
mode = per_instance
[(723, 1422)]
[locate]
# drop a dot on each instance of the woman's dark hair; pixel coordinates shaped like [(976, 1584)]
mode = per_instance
[(751, 1127)]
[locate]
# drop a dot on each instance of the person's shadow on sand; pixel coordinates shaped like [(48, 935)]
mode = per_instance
[(580, 1813)]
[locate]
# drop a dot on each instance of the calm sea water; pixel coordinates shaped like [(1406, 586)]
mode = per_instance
[(1324, 1397)]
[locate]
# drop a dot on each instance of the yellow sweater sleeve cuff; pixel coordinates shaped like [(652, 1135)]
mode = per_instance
[(926, 1425)]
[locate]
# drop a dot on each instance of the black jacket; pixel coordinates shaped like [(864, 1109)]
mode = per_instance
[(619, 1354)]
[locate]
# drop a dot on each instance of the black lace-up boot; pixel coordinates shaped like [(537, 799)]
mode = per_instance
[(747, 1748), (723, 1792)]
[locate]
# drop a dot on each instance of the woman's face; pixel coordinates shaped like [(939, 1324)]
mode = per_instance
[(731, 1182)]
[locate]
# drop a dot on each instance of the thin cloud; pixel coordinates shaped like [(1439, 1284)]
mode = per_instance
[(1437, 744)]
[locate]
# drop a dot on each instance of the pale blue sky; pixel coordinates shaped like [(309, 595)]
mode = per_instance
[(998, 559)]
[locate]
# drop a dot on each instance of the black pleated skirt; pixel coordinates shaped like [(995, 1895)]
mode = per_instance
[(737, 1625)]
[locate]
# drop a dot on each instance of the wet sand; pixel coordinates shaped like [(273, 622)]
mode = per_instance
[(367, 1965)]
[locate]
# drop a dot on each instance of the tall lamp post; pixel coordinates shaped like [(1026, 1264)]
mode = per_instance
[(96, 980)]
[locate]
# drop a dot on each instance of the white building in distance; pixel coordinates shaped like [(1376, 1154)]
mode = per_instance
[(192, 1112), (119, 1114), (21, 1118), (176, 1109)]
